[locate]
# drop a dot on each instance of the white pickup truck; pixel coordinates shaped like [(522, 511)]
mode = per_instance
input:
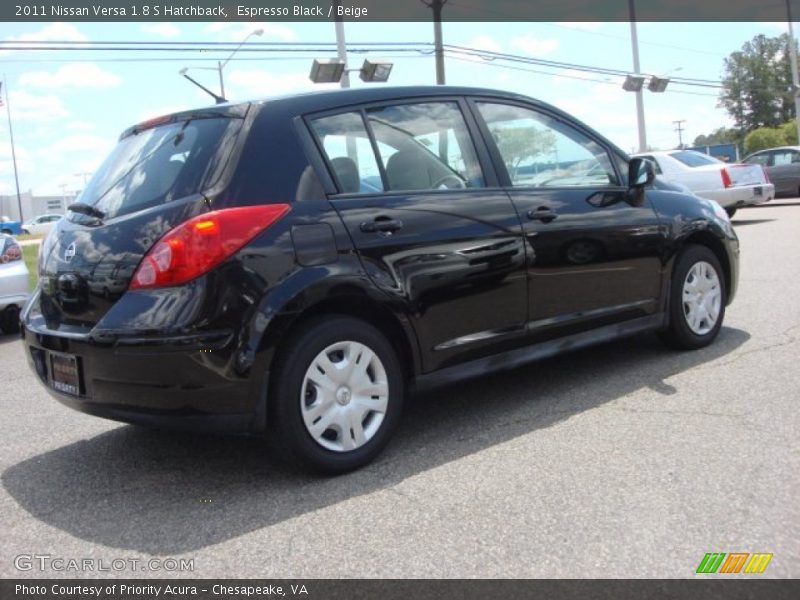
[(731, 185)]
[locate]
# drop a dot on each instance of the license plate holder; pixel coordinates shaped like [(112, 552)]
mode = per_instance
[(65, 374)]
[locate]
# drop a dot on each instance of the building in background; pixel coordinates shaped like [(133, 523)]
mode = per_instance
[(33, 206)]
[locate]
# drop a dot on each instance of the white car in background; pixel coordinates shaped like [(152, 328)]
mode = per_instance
[(41, 225), (730, 185), (13, 283)]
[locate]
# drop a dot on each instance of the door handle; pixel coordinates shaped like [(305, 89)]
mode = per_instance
[(543, 214), (381, 225)]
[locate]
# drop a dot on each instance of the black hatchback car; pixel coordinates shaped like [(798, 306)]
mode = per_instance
[(297, 265)]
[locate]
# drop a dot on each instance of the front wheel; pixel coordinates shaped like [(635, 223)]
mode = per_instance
[(338, 394), (731, 211), (697, 299)]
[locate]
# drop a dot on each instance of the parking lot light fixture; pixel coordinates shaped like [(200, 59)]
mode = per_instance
[(633, 83), (326, 70), (658, 84), (373, 71)]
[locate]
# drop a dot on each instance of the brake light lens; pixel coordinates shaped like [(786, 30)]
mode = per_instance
[(201, 243), (726, 178)]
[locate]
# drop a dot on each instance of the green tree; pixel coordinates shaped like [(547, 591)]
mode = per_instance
[(757, 82), (518, 144), (763, 138), (722, 135), (789, 130)]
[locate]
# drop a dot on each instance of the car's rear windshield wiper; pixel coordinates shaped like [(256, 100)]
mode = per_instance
[(86, 209)]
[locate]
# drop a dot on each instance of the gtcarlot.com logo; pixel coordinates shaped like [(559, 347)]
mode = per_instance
[(47, 562), (734, 562)]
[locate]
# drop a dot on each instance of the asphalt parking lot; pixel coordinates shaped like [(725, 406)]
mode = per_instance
[(625, 460)]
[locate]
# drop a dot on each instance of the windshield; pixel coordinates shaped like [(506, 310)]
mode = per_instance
[(161, 164), (694, 159)]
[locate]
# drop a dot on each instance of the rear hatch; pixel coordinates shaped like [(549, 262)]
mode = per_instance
[(161, 173)]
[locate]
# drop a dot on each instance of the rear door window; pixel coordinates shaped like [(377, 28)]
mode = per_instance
[(423, 146), (161, 164), (349, 152)]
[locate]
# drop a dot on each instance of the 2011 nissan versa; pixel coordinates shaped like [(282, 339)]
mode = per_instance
[(297, 265)]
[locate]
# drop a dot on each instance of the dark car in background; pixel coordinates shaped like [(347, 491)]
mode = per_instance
[(298, 265), (783, 167)]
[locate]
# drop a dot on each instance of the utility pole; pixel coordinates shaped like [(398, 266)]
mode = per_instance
[(341, 46), (637, 72), (679, 129), (436, 6), (13, 152), (793, 59)]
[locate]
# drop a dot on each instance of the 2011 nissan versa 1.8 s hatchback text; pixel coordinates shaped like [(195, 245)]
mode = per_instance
[(297, 265)]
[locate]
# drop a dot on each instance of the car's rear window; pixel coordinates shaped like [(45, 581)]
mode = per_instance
[(161, 164), (694, 159)]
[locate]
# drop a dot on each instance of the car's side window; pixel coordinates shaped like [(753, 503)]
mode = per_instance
[(425, 146), (782, 157), (349, 152), (540, 151), (759, 159)]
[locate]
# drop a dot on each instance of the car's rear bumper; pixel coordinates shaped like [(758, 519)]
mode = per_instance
[(151, 382), (736, 197)]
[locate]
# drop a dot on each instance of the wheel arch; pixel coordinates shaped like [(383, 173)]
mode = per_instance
[(713, 243)]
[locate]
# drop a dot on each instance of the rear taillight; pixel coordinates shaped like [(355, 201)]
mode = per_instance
[(11, 253), (726, 179), (201, 243)]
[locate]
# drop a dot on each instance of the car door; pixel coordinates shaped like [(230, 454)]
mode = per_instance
[(433, 229), (784, 171), (593, 249)]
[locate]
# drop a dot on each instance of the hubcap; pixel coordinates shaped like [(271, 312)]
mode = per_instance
[(702, 298), (344, 396)]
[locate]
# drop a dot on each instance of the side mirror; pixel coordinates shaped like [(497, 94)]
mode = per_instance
[(640, 173)]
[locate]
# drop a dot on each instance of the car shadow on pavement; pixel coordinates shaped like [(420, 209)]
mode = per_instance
[(167, 494), (738, 222)]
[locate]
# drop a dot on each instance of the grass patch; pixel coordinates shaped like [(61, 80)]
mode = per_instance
[(28, 236), (30, 252)]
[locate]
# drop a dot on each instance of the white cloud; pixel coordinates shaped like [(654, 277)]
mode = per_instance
[(79, 126), (236, 32), (262, 83), (52, 32), (80, 75), (167, 30), (533, 45), (582, 25), (30, 107)]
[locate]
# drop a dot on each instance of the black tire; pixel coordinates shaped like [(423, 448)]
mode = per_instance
[(286, 422), (25, 232), (678, 333), (731, 211), (7, 231), (9, 320)]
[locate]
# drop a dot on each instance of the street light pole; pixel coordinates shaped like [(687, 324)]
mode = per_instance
[(637, 72), (438, 48), (341, 46), (220, 66), (793, 59), (13, 152)]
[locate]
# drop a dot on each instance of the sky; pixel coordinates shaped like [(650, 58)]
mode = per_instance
[(69, 107)]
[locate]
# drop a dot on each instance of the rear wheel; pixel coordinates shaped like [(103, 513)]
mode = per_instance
[(731, 211), (697, 299), (338, 394)]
